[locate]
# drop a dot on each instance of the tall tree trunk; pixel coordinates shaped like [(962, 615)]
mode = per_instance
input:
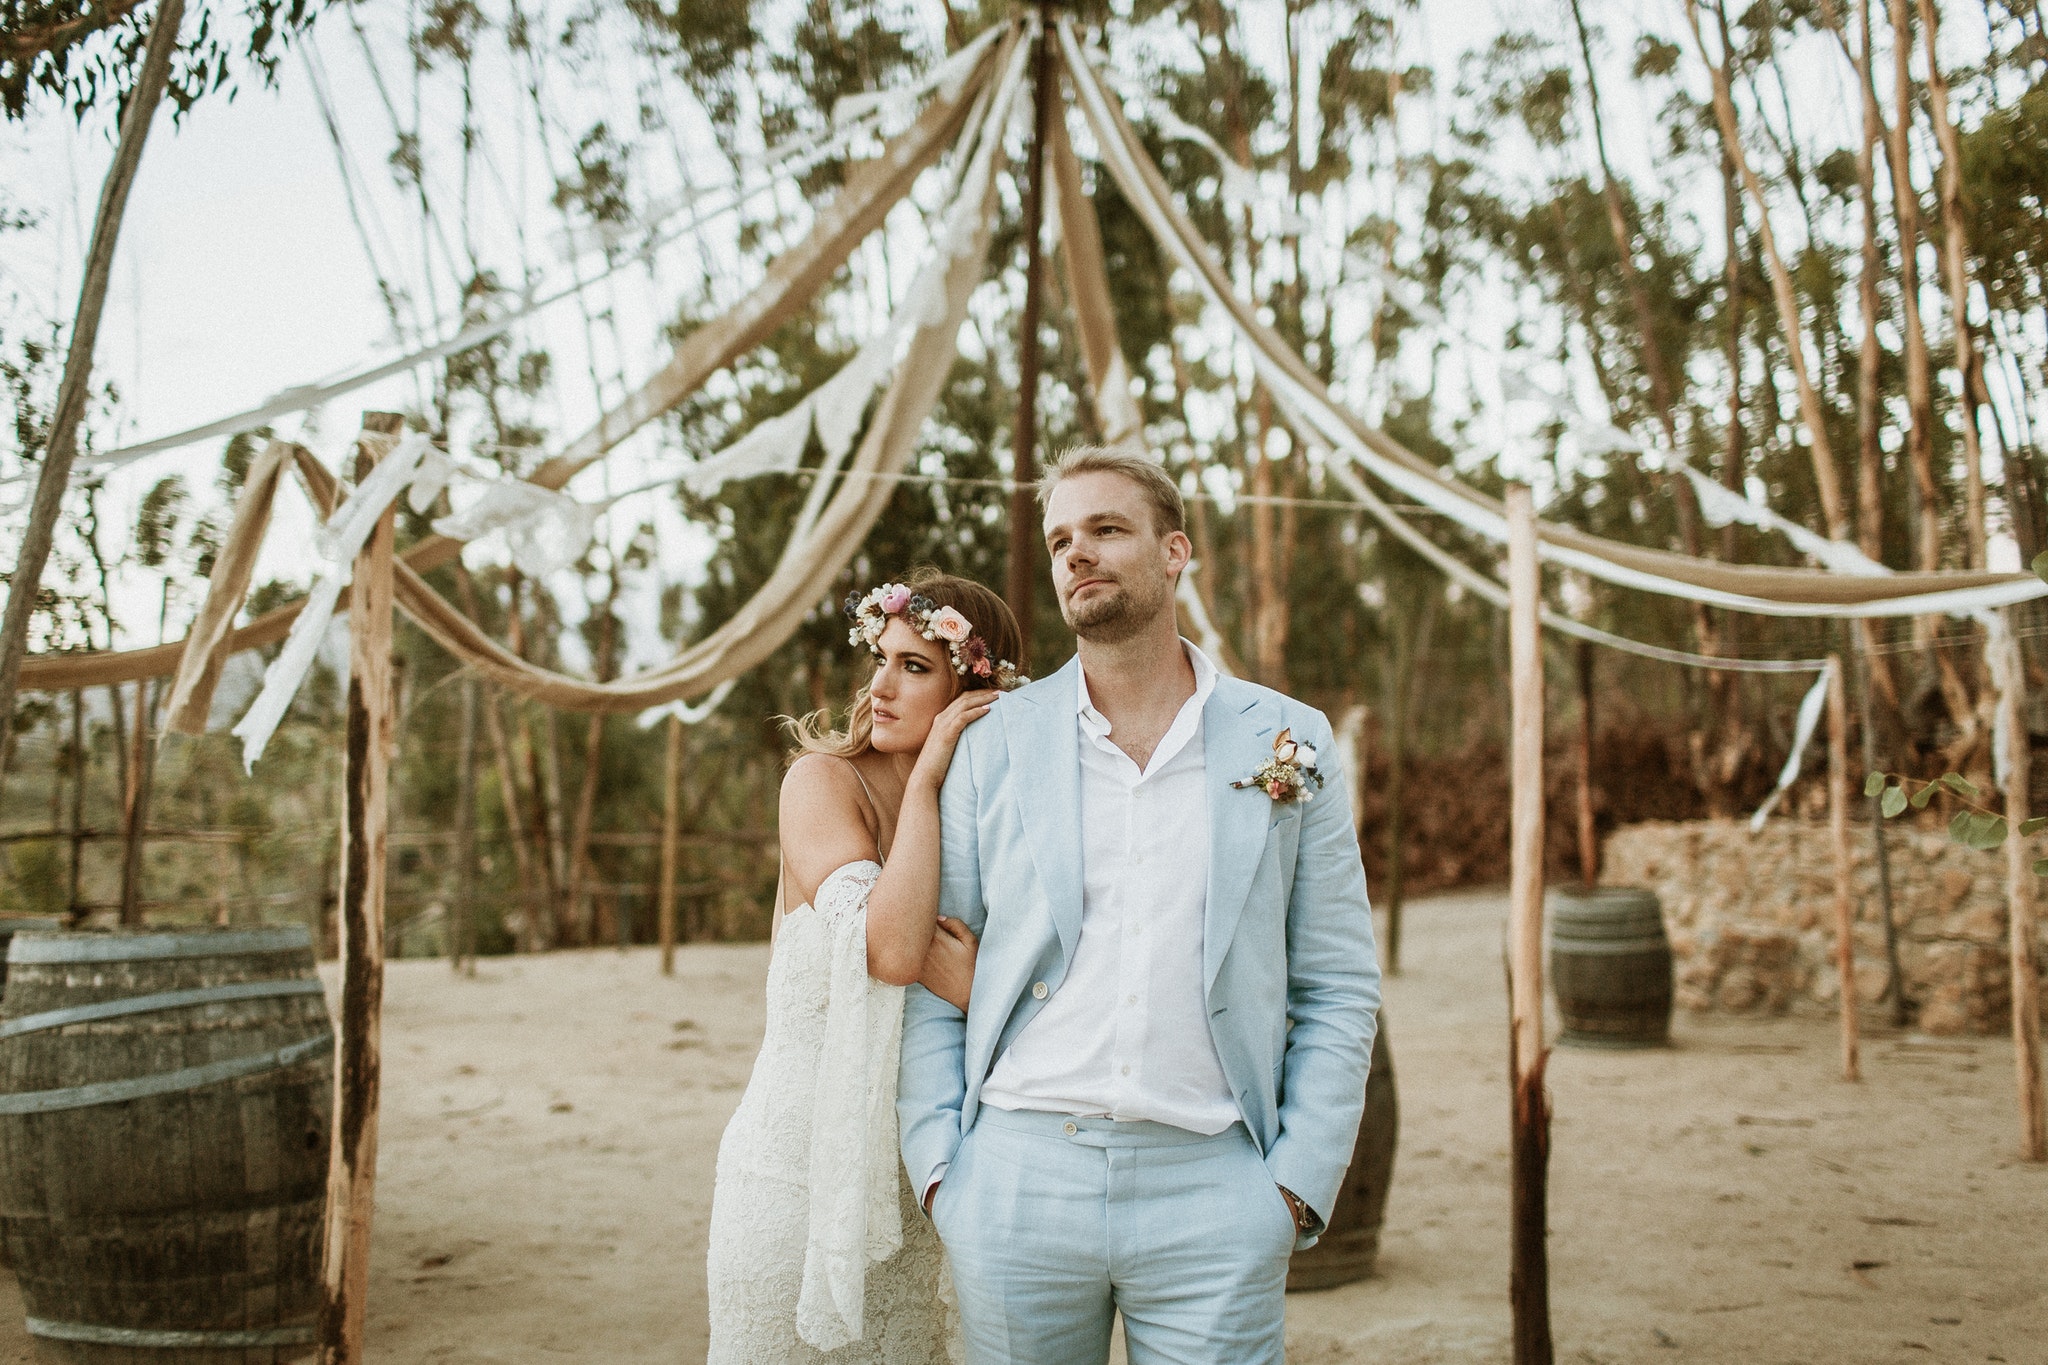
[(76, 384), (1411, 643), (1869, 361), (1906, 214), (1266, 593), (1663, 392), (580, 900), (544, 921), (1955, 261), (516, 827), (1827, 477), (461, 947)]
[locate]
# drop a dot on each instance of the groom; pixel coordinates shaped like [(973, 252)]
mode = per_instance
[(1153, 1095)]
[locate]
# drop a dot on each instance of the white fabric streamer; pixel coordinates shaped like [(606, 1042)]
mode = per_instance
[(336, 543), (1802, 731), (1719, 506), (684, 712)]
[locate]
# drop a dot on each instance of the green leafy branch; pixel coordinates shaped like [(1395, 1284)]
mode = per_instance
[(1975, 825)]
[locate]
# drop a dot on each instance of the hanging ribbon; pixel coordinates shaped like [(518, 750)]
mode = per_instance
[(1802, 731)]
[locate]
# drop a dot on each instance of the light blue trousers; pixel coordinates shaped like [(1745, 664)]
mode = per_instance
[(1053, 1225)]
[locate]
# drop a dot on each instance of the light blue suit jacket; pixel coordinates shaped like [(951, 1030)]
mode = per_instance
[(1289, 967)]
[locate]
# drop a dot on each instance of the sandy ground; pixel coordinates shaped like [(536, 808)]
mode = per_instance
[(549, 1130)]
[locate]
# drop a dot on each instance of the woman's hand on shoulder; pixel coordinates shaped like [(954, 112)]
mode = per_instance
[(947, 727), (949, 965)]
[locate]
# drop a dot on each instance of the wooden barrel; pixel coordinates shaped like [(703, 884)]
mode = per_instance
[(1610, 966), (1350, 1246), (164, 1108), (17, 925)]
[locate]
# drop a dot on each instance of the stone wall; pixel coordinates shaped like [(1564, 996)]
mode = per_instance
[(1751, 917)]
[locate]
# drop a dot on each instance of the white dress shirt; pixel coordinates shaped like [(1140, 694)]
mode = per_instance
[(1126, 1035)]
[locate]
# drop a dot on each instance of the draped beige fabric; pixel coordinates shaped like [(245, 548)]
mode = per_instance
[(768, 618), (872, 188), (226, 588), (1109, 379), (1154, 200)]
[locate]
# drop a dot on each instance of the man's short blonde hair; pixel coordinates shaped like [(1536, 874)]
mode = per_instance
[(1169, 513)]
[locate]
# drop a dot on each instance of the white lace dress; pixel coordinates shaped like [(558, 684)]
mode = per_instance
[(818, 1249)]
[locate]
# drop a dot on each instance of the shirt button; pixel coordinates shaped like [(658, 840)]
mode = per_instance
[(1130, 1000), (1039, 992), (1069, 1129), (1127, 1069)]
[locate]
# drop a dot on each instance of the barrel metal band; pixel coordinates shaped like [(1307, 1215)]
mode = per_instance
[(190, 1078), (1609, 947), (166, 1338), (151, 1004), (73, 946)]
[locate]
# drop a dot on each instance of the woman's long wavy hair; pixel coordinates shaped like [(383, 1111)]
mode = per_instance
[(992, 621)]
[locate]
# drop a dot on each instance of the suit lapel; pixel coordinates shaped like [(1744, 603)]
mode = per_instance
[(1039, 725), (1236, 738)]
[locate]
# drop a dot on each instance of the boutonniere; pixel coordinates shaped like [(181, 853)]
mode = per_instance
[(1286, 775)]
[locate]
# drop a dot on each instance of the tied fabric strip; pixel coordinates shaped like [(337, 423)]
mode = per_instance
[(336, 544), (1802, 731)]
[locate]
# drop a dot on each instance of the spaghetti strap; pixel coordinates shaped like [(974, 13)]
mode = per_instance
[(881, 854)]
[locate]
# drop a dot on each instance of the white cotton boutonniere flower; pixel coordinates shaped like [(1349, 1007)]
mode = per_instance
[(1287, 774)]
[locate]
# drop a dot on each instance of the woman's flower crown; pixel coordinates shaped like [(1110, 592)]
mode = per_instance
[(870, 613)]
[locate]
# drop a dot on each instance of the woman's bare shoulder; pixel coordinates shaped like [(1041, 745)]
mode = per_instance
[(822, 790)]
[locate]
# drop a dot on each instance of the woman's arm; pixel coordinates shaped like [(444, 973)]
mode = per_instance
[(903, 909)]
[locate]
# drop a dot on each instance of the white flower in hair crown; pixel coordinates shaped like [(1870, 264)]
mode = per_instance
[(1286, 775), (870, 613)]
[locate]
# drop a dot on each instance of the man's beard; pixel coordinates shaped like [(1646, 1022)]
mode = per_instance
[(1110, 618)]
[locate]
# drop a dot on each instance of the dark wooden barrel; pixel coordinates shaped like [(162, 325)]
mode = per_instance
[(164, 1103), (1610, 966), (1350, 1246), (19, 925)]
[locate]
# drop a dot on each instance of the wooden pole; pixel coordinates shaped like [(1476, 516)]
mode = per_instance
[(1838, 841), (1529, 1276), (75, 387), (671, 846), (2019, 891), (1023, 573), (462, 927), (1895, 978), (352, 1167), (79, 768), (135, 813), (1589, 839)]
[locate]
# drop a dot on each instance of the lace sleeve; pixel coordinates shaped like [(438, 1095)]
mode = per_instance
[(854, 1217)]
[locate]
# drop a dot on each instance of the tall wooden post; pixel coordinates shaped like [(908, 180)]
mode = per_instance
[(1023, 575), (462, 924), (2021, 936), (75, 388), (1529, 1274), (135, 813), (1589, 838), (352, 1167), (79, 768), (671, 842), (1838, 843)]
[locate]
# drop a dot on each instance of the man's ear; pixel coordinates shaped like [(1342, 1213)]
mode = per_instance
[(1179, 550)]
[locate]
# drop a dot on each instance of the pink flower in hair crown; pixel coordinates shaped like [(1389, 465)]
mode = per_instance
[(869, 613)]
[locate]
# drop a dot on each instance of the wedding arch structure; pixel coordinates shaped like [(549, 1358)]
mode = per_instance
[(867, 419)]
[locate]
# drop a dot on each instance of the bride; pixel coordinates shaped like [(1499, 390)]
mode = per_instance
[(818, 1251)]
